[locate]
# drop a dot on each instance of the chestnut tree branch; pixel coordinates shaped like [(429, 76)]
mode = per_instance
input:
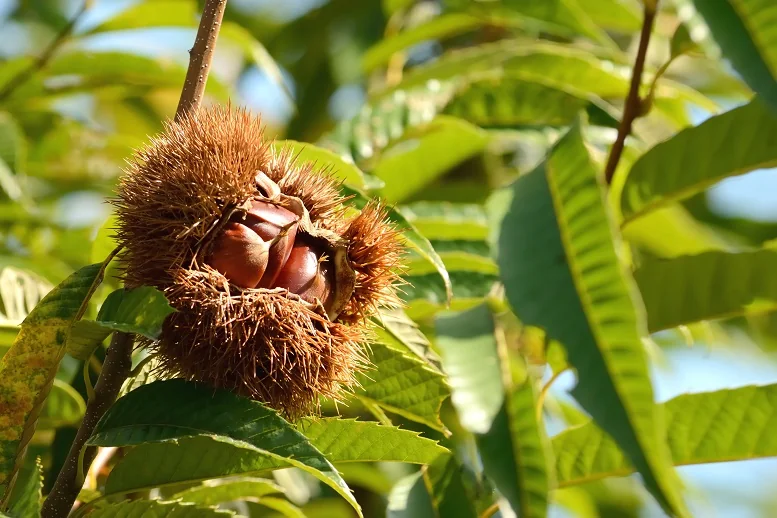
[(201, 57), (633, 107), (25, 74), (118, 359), (116, 368)]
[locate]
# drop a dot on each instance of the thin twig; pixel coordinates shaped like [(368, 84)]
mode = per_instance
[(25, 74), (118, 358), (116, 368), (632, 109), (201, 57)]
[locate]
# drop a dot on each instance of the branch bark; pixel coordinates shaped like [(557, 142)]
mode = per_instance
[(201, 57), (632, 108), (24, 75), (118, 359), (117, 366)]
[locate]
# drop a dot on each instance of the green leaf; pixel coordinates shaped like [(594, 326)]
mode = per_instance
[(722, 426), (27, 370), (409, 498), (139, 311), (382, 122), (450, 495), (444, 220), (560, 66), (184, 409), (348, 440), (284, 507), (20, 291), (423, 157), (219, 491), (681, 42), (502, 423), (746, 33), (157, 509), (403, 384), (100, 69), (515, 455), (401, 331), (509, 101), (618, 15), (466, 339), (557, 254), (439, 27), (203, 457), (28, 495), (558, 16), (64, 406), (730, 144), (159, 13), (709, 286), (13, 144), (324, 159)]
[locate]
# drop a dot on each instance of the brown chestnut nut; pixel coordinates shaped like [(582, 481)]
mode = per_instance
[(272, 222), (240, 254), (305, 273)]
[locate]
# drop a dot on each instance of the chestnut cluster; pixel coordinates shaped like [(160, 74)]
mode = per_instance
[(262, 248)]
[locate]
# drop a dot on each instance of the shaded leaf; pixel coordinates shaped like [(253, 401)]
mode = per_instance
[(557, 255), (409, 498), (725, 145), (64, 406), (139, 311), (515, 456), (27, 496)]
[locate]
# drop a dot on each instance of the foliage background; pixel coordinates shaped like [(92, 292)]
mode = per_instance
[(300, 64)]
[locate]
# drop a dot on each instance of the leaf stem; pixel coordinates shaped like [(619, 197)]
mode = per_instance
[(632, 108), (118, 358), (25, 74)]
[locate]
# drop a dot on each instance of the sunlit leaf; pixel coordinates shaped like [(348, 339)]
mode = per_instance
[(725, 145), (325, 160), (419, 159), (403, 384), (708, 286), (722, 426), (746, 33), (218, 491), (28, 368), (140, 311)]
